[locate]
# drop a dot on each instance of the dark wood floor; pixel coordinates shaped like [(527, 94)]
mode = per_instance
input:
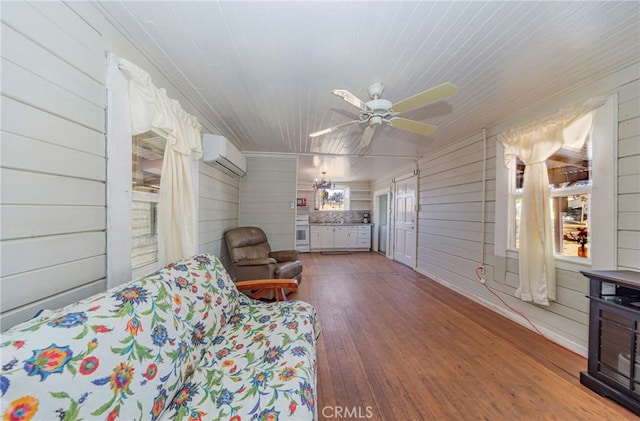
[(397, 346)]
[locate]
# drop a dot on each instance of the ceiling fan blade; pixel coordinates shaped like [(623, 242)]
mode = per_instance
[(350, 98), (434, 94), (334, 128), (412, 126), (366, 136)]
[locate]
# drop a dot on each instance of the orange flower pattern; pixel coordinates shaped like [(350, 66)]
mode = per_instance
[(181, 343), (22, 409)]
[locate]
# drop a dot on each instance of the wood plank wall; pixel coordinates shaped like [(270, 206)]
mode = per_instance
[(449, 239), (53, 236), (449, 223), (629, 176), (52, 162), (218, 210), (266, 193)]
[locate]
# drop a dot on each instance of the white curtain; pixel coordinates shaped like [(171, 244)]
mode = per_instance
[(534, 143), (151, 109)]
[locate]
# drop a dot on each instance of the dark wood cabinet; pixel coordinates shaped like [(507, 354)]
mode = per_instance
[(614, 333)]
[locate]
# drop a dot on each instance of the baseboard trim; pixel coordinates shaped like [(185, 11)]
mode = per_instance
[(549, 334)]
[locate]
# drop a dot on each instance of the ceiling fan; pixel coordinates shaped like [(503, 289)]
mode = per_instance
[(378, 110)]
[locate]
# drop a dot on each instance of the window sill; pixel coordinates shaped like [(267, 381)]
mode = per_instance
[(573, 259), (573, 263)]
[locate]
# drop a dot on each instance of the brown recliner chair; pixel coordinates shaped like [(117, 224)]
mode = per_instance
[(252, 257)]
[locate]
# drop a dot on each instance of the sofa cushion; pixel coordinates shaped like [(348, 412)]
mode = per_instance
[(203, 292), (163, 346), (122, 353), (262, 364)]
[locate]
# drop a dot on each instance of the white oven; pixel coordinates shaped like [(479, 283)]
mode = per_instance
[(302, 233)]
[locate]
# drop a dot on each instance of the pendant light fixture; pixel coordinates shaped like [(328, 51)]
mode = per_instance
[(323, 184)]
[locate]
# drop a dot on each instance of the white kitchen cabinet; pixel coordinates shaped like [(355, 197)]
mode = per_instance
[(364, 231), (326, 237), (352, 234), (321, 237), (340, 237), (314, 237), (364, 236)]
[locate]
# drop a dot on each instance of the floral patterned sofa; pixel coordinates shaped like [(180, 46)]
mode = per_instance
[(180, 344)]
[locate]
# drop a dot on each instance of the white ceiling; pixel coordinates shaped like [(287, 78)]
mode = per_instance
[(262, 72)]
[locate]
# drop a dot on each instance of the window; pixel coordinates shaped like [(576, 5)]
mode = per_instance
[(570, 182), (336, 199), (577, 179), (147, 155), (134, 164)]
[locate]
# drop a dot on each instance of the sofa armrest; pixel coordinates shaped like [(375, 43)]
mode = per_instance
[(263, 286), (284, 255), (256, 262)]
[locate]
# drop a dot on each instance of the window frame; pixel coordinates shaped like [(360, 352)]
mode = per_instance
[(138, 196), (347, 198), (515, 194), (147, 197)]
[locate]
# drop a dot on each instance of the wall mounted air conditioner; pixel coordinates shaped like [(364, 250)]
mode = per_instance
[(218, 151)]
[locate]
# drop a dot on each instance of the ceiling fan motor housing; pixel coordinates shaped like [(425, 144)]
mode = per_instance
[(375, 90), (380, 109)]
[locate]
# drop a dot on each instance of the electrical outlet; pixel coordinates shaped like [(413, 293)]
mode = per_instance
[(480, 272)]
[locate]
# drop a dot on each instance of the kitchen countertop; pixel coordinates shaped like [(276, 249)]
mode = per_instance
[(338, 223)]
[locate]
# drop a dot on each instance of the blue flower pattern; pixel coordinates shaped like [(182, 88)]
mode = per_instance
[(197, 346)]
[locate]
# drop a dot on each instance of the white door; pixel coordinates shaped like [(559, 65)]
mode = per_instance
[(404, 223), (382, 222)]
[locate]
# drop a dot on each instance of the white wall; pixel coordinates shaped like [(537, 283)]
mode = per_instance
[(449, 221), (385, 182), (629, 176), (53, 210), (52, 166), (218, 209), (266, 194)]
